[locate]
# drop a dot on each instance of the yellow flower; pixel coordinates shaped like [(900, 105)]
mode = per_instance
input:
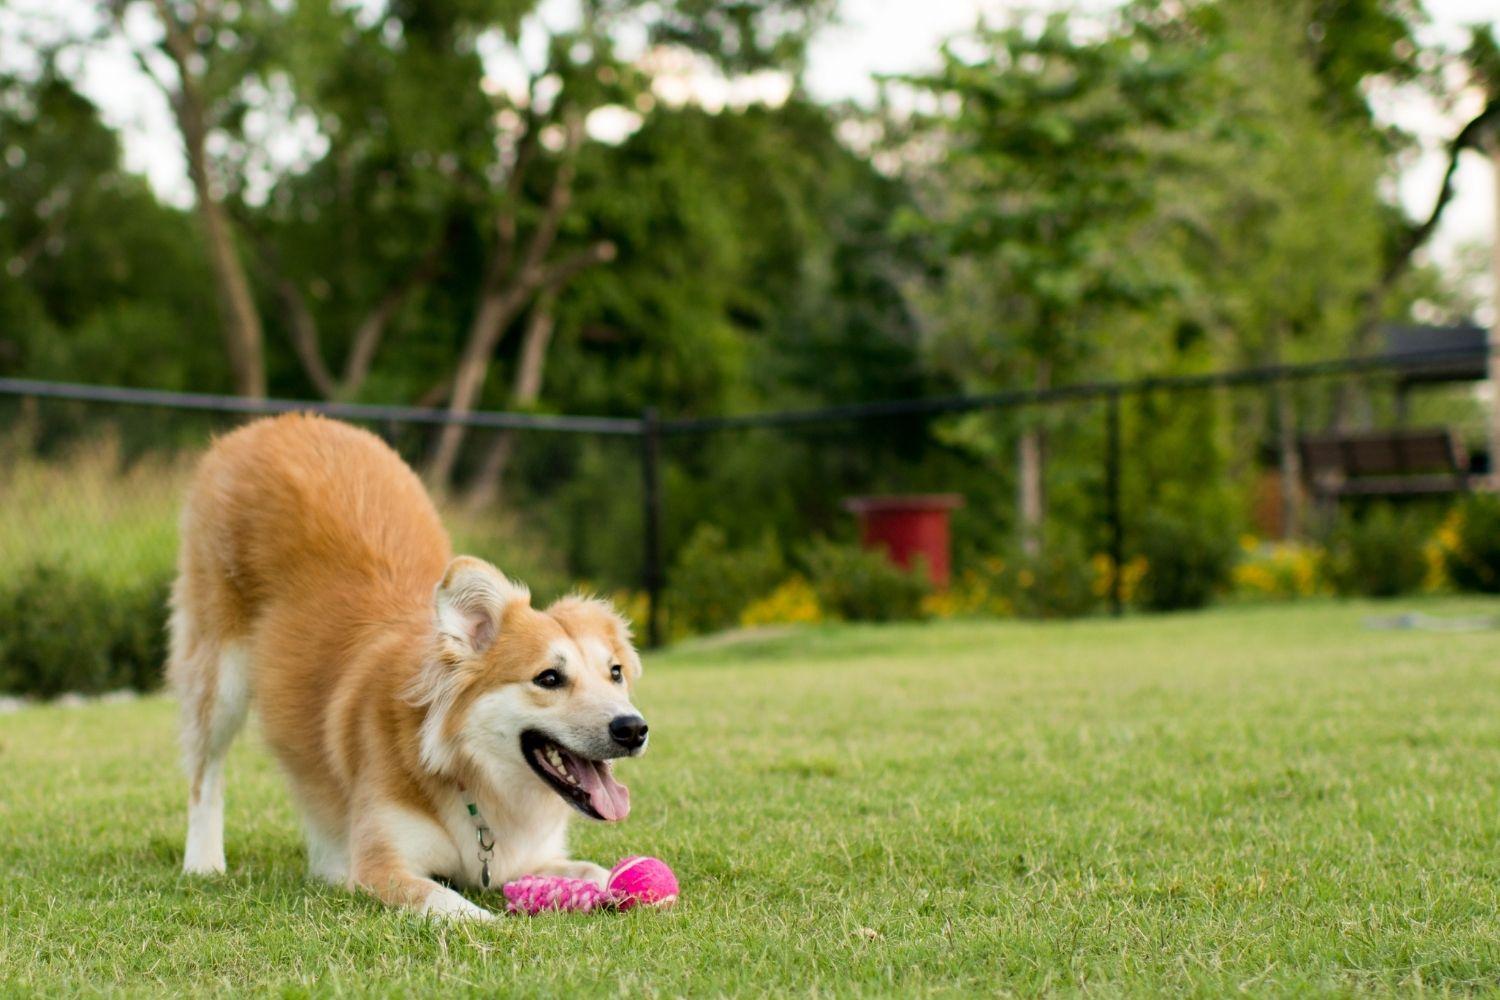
[(793, 602)]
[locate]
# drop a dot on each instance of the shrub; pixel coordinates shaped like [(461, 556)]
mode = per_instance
[(712, 583), (64, 630), (1058, 583), (860, 585), (792, 603), (1132, 571), (1473, 552), (1377, 554), (979, 589), (1276, 569), (1188, 561)]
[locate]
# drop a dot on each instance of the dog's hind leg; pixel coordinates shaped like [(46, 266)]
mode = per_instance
[(211, 679)]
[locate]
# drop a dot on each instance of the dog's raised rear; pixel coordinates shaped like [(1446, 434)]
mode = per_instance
[(395, 684)]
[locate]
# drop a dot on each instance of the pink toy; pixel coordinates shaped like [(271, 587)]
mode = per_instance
[(634, 881), (638, 880), (532, 894)]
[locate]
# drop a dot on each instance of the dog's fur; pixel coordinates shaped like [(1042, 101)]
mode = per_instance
[(317, 582)]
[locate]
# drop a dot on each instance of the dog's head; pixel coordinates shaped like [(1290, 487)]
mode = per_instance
[(511, 689)]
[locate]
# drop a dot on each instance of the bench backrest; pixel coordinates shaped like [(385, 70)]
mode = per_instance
[(1428, 451)]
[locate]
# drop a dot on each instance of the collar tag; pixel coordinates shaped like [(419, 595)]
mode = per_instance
[(482, 835)]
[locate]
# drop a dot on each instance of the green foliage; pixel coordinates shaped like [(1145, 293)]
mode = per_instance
[(62, 630), (746, 35), (712, 582), (1189, 555), (1054, 157), (860, 585), (1059, 582), (98, 281), (1377, 552), (1474, 559)]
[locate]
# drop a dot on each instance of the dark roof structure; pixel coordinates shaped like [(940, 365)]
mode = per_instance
[(1438, 353)]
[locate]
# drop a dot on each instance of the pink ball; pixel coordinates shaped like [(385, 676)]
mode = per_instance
[(643, 880)]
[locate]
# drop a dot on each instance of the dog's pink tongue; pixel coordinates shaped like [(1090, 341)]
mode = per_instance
[(609, 798)]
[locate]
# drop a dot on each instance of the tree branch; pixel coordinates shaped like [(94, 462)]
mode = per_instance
[(558, 200), (505, 219), (503, 297), (371, 329), (303, 327), (1471, 136), (551, 278)]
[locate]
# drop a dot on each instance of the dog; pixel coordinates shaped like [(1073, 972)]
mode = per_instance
[(436, 730)]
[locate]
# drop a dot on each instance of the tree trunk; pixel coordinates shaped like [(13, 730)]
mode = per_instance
[(303, 328), (239, 318), (526, 390), (1289, 460), (1031, 497), (1494, 473), (497, 308), (237, 313), (1349, 393)]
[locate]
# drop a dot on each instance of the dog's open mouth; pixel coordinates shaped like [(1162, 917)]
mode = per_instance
[(588, 785)]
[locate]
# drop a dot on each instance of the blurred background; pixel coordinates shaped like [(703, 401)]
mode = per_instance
[(1115, 306)]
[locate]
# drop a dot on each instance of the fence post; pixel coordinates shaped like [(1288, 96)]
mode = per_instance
[(651, 511), (1113, 504)]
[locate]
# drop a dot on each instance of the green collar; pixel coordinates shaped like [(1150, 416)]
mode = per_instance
[(482, 834)]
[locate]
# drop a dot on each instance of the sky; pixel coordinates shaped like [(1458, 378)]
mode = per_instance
[(873, 37)]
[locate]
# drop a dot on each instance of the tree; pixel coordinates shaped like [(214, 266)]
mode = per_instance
[(586, 74), (98, 281), (1293, 223), (208, 59), (1041, 168), (1483, 57)]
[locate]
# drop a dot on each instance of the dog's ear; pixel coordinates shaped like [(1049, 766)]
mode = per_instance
[(470, 603)]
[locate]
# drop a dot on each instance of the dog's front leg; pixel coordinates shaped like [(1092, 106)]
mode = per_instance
[(387, 878), (565, 868), (382, 867)]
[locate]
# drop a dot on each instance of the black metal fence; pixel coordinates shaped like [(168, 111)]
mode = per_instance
[(587, 473)]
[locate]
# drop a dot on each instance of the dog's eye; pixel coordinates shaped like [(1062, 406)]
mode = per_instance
[(548, 679), (616, 673)]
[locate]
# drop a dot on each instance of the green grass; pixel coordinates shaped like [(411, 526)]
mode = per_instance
[(92, 511), (1272, 800), (115, 520)]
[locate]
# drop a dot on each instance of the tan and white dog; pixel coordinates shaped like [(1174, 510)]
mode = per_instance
[(396, 685)]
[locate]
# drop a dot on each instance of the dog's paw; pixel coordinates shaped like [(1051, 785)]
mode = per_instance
[(585, 870), (448, 905), (203, 865)]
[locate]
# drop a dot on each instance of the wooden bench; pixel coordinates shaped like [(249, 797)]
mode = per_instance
[(1417, 462)]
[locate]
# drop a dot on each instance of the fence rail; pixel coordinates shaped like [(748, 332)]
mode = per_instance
[(486, 419), (650, 429)]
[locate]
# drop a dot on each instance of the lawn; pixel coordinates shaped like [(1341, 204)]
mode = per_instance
[(1275, 800)]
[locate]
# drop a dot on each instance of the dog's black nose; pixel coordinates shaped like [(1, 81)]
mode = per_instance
[(628, 730)]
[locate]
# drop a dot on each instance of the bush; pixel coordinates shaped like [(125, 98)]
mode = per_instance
[(1377, 554), (711, 583), (1059, 583), (1279, 570), (791, 603), (62, 630), (1473, 552), (1188, 561), (860, 585)]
